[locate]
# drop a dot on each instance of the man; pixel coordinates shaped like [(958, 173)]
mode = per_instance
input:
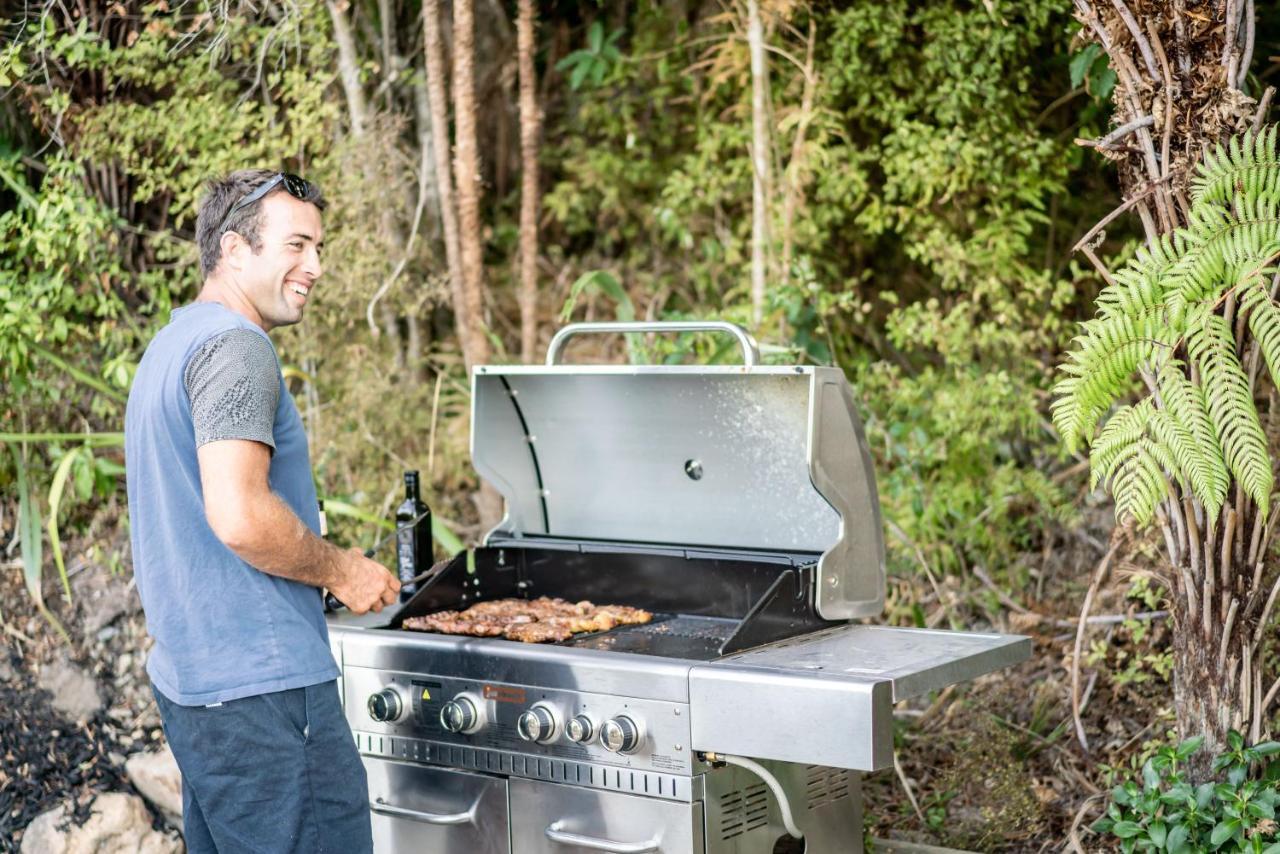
[(226, 550)]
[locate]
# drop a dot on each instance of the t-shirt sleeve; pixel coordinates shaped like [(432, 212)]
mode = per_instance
[(233, 381)]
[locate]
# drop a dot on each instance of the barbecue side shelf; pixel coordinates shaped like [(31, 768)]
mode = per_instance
[(827, 698)]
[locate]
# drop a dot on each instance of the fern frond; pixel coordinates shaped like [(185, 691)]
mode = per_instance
[(1264, 322), (1124, 429), (1102, 368), (1191, 438), (1230, 403), (1255, 169), (1139, 483)]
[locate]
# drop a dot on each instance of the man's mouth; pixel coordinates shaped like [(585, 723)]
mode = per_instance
[(300, 290)]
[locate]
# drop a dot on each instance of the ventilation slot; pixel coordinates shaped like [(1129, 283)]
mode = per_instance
[(744, 811), (826, 786)]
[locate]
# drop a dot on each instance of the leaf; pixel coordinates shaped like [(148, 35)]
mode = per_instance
[(69, 459), (30, 543), (1222, 832), (1157, 833), (1150, 776), (595, 36), (1188, 747), (1081, 62), (1126, 829), (1176, 842)]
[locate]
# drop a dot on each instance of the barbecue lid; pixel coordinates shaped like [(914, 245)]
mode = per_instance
[(750, 457)]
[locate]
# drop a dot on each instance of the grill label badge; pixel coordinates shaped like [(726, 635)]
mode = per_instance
[(504, 694)]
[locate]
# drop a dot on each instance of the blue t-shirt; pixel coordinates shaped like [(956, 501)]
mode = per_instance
[(222, 629)]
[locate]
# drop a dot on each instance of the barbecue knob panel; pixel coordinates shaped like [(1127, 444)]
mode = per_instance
[(620, 735), (385, 705), (461, 715), (580, 729), (537, 725)]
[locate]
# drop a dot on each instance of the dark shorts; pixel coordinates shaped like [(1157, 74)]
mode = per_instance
[(273, 773)]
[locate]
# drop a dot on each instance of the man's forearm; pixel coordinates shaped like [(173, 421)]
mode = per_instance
[(272, 538)]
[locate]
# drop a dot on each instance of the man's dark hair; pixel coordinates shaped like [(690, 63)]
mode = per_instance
[(221, 195)]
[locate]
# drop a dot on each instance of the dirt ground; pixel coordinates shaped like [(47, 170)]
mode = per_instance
[(995, 765)]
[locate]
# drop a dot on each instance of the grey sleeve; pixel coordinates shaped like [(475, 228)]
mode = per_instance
[(233, 381)]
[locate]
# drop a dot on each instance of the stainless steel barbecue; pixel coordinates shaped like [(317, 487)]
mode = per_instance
[(738, 504)]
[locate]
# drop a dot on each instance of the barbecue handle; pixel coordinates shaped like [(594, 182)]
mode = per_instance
[(468, 817), (750, 352), (555, 834)]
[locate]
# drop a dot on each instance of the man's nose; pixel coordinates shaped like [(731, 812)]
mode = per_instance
[(312, 266)]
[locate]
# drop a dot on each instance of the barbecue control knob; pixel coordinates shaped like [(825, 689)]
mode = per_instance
[(461, 715), (385, 705), (620, 735), (538, 724), (580, 729)]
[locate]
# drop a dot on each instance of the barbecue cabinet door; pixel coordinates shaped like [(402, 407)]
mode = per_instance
[(420, 809), (551, 818)]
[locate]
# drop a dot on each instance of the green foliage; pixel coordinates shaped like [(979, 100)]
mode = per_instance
[(1198, 426), (593, 62), (1165, 812)]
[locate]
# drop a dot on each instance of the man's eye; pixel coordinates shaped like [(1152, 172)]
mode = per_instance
[(296, 245)]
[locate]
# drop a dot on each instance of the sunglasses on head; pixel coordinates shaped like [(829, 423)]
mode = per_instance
[(293, 185)]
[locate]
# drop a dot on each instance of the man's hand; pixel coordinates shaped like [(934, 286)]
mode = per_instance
[(365, 585)]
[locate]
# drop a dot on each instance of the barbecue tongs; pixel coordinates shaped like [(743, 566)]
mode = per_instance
[(333, 603)]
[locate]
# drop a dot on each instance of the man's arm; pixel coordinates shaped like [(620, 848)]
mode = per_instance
[(263, 530)]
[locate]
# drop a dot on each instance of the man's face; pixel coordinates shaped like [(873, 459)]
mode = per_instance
[(278, 280)]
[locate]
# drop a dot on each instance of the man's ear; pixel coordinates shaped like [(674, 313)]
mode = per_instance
[(233, 249)]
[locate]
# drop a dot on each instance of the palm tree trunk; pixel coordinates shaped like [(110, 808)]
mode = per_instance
[(466, 166), (530, 122), (433, 47), (761, 177)]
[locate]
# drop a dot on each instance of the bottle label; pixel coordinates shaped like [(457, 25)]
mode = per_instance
[(405, 562)]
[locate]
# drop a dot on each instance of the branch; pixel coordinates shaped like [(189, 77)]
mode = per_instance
[(1110, 139), (1143, 46), (1099, 574)]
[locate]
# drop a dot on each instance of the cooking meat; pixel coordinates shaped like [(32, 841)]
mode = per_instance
[(594, 623), (541, 620), (625, 615), (538, 632)]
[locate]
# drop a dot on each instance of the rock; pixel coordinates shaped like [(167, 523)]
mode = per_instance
[(155, 774), (102, 598), (6, 669), (117, 822), (75, 694)]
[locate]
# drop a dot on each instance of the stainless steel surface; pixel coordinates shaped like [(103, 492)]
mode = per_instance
[(577, 840), (620, 735), (489, 660), (663, 727), (914, 661), (580, 729), (418, 808), (463, 715), (538, 724), (750, 351), (573, 814), (809, 718), (604, 453), (743, 816), (385, 705)]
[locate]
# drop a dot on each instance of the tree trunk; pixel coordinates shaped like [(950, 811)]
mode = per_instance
[(433, 47), (348, 67), (467, 168), (530, 122), (1177, 92), (761, 177)]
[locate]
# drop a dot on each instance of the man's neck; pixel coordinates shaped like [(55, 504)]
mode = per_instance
[(230, 297)]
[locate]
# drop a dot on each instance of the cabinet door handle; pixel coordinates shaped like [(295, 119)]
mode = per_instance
[(555, 834), (384, 808)]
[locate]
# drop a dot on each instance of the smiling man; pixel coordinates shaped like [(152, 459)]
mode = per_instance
[(226, 551)]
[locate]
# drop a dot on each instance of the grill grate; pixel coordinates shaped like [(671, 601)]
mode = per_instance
[(672, 635), (826, 786), (744, 810)]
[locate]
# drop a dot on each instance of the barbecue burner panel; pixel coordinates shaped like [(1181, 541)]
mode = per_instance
[(631, 733)]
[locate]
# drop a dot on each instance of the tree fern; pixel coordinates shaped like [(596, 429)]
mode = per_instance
[(1162, 320)]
